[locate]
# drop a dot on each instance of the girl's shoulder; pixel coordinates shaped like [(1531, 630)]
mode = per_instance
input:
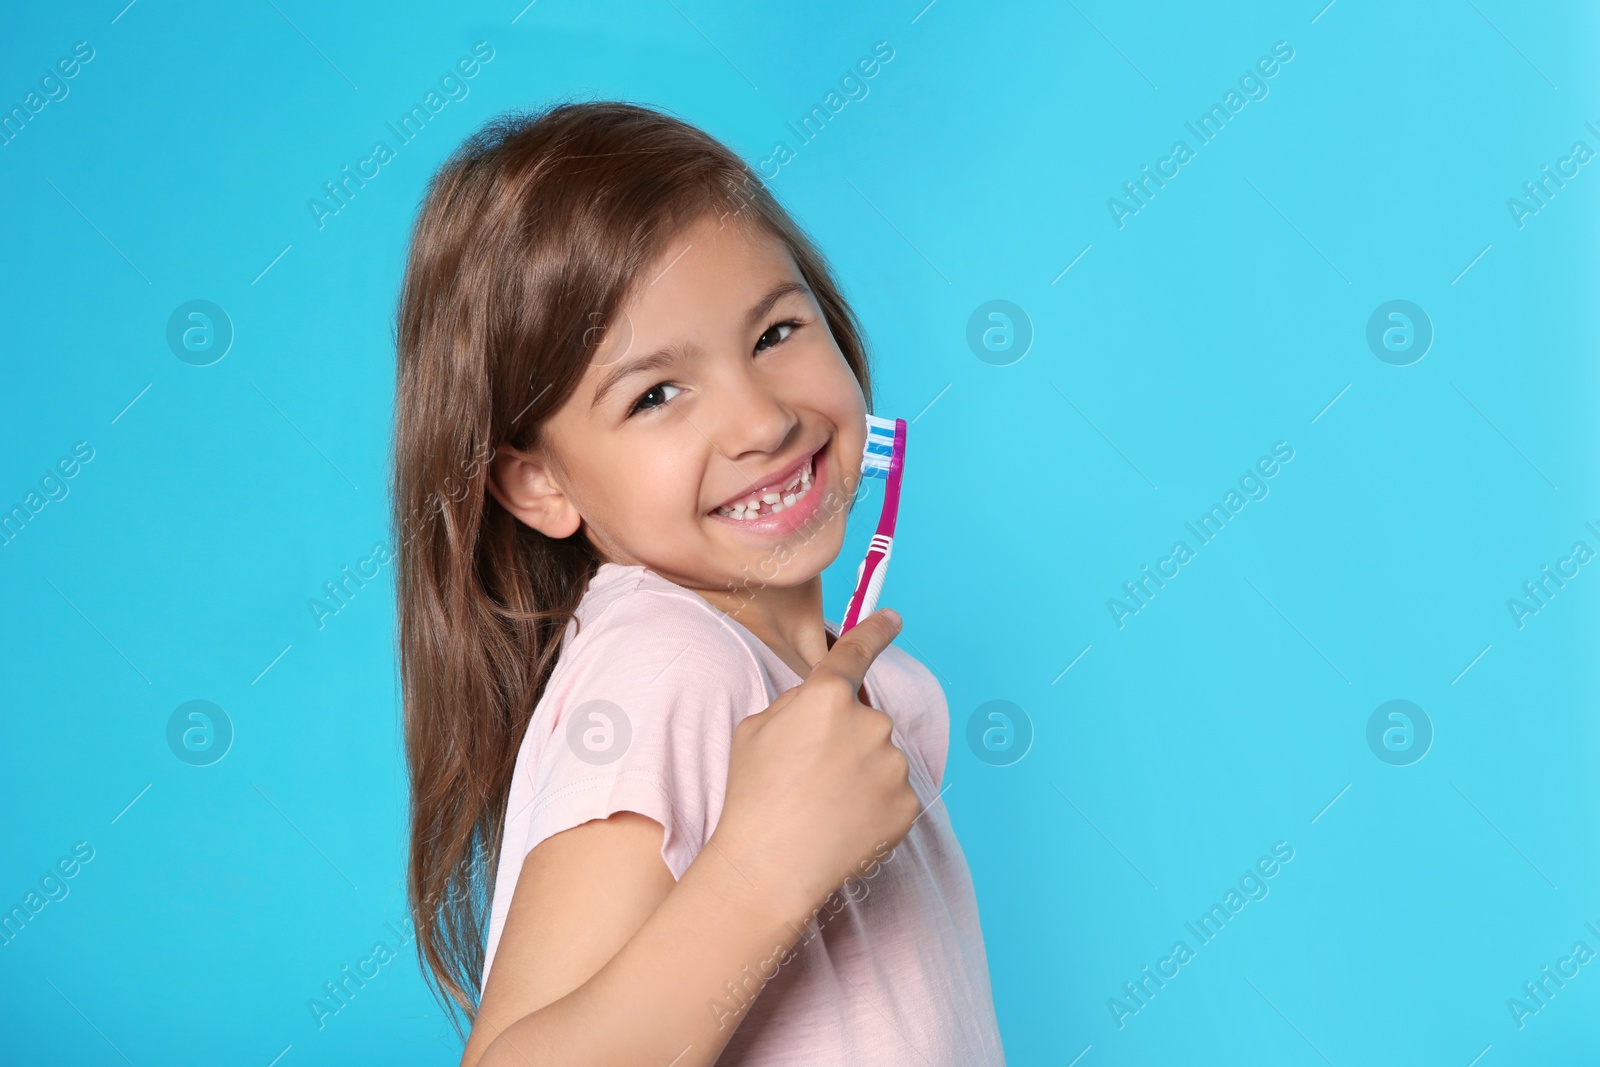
[(916, 700), (911, 672), (634, 597), (631, 620)]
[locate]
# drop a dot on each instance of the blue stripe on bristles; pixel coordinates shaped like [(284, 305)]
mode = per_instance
[(879, 448)]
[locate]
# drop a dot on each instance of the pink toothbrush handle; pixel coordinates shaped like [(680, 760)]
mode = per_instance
[(876, 566), (873, 570)]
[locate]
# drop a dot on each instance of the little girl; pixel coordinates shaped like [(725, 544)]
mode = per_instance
[(661, 812)]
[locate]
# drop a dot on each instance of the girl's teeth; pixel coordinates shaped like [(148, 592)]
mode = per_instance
[(775, 501)]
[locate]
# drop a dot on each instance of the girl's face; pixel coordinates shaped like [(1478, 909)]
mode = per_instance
[(718, 388)]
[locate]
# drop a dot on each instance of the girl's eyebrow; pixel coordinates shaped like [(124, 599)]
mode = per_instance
[(654, 361), (675, 352)]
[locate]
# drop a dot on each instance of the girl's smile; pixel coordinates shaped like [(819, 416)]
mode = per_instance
[(782, 503)]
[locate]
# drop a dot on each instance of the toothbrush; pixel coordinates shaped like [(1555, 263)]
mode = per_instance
[(884, 457)]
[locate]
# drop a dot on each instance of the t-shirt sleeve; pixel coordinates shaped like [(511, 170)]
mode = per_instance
[(639, 716), (925, 721)]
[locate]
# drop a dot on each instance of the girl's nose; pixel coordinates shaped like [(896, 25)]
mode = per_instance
[(751, 418)]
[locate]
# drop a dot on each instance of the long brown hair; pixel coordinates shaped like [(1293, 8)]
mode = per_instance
[(530, 239)]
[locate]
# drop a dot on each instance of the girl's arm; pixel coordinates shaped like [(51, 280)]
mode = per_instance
[(605, 960)]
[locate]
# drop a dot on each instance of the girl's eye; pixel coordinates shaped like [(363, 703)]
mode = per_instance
[(792, 324), (656, 395), (658, 392)]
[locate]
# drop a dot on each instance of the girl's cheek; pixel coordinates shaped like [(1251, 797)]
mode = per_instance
[(829, 379)]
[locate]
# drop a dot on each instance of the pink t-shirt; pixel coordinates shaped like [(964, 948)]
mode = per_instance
[(638, 716)]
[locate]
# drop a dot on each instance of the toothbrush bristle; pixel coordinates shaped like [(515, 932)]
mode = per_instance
[(879, 448)]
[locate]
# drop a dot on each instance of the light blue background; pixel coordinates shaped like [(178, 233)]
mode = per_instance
[(1227, 315)]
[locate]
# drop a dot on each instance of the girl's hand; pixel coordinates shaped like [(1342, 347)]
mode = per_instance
[(814, 781)]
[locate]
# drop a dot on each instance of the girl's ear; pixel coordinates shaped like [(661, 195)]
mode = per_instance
[(524, 485)]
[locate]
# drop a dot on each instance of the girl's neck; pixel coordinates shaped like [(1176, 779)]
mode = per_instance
[(788, 620)]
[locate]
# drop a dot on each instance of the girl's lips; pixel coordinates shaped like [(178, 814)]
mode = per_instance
[(795, 515), (772, 481)]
